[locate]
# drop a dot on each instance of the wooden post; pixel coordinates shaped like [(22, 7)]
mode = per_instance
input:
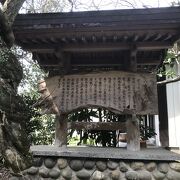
[(61, 130), (133, 133)]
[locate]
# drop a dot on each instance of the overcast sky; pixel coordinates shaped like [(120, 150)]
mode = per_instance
[(119, 4), (88, 5)]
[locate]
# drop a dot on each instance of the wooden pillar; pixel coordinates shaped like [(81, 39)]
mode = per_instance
[(61, 130), (133, 133)]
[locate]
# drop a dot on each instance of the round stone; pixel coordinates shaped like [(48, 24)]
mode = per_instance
[(29, 177), (89, 164), (112, 165), (67, 173), (115, 175), (173, 175), (24, 172), (62, 163), (97, 175), (137, 166), (76, 165), (163, 167), (175, 166), (101, 165), (158, 175), (32, 170), (43, 172), (37, 161), (13, 178), (151, 166), (54, 173), (123, 167), (144, 175), (131, 175), (49, 162), (83, 174)]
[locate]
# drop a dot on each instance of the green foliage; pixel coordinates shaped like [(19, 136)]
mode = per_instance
[(40, 128), (168, 67), (145, 131), (93, 137)]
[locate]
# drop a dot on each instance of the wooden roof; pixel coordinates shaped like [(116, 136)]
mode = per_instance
[(98, 39)]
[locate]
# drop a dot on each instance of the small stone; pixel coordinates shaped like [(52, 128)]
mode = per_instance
[(115, 175), (132, 175), (137, 166), (37, 161), (54, 173), (62, 163), (14, 178), (83, 174), (158, 175), (173, 175), (97, 175), (43, 172), (163, 167), (67, 173), (151, 166), (101, 165), (123, 167), (29, 177), (32, 170), (76, 165), (24, 172), (89, 164), (144, 175), (112, 165), (49, 162), (175, 166)]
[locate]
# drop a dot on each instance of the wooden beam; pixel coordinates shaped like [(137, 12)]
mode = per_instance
[(109, 126), (61, 130), (83, 39), (64, 60), (115, 38), (133, 59), (64, 40), (97, 47), (74, 39), (116, 46), (94, 39), (104, 39), (133, 133), (135, 38)]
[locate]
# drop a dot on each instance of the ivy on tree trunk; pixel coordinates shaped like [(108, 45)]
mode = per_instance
[(14, 146)]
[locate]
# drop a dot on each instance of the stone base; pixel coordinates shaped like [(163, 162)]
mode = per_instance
[(93, 163), (99, 169)]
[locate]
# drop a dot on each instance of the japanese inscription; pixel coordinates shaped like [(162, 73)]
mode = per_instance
[(121, 92)]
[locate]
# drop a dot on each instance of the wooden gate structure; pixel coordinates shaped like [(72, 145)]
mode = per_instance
[(100, 59)]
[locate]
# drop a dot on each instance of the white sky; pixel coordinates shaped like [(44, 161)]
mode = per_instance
[(88, 5), (122, 4)]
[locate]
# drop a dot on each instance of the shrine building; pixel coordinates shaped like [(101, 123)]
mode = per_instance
[(106, 59)]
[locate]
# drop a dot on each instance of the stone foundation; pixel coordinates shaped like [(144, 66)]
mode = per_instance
[(65, 168)]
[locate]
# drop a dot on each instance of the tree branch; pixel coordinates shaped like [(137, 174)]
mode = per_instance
[(176, 79), (5, 30), (11, 9)]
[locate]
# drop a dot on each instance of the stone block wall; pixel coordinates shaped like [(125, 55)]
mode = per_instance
[(60, 168)]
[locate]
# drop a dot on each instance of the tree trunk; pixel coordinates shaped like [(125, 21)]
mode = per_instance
[(14, 146)]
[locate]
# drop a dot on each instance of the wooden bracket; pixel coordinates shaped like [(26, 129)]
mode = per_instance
[(64, 61), (133, 59)]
